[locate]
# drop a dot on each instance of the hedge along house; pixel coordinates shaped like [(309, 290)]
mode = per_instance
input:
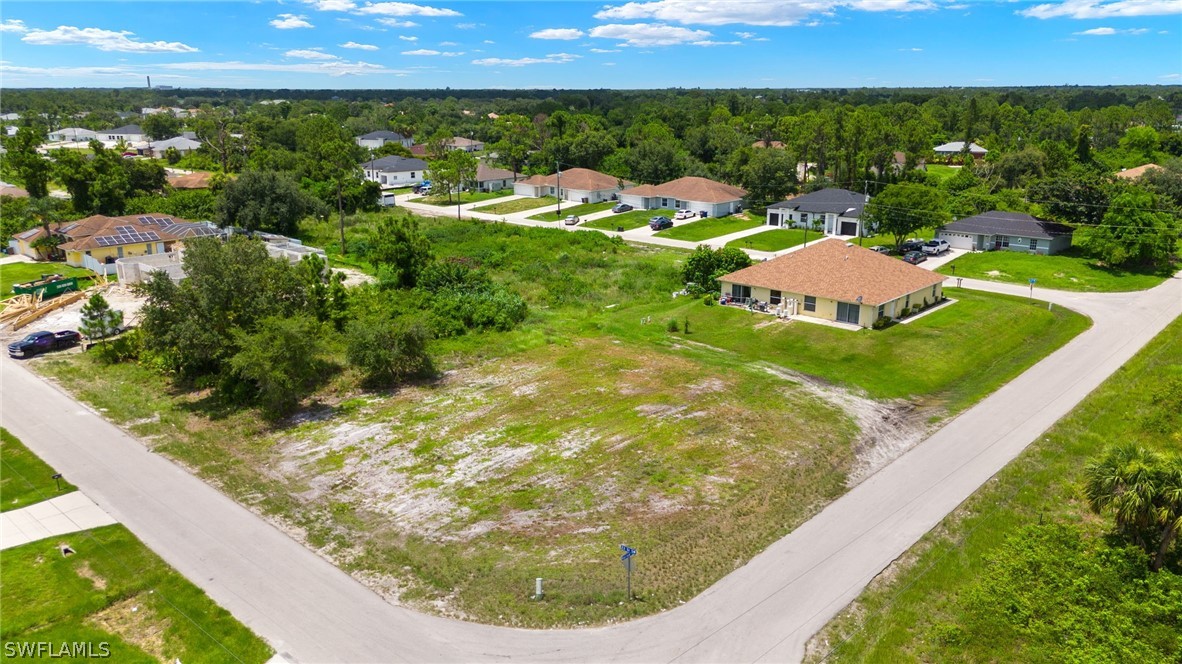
[(1006, 231), (837, 281), (700, 195), (832, 211), (577, 185)]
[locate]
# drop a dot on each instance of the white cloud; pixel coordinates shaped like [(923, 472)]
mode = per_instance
[(553, 58), (360, 47), (409, 38), (334, 68), (290, 22), (1103, 9), (489, 41), (1170, 77), (558, 33), (103, 40), (13, 25), (744, 35), (605, 50), (448, 43), (465, 26), (748, 12), (395, 23), (609, 64), (1103, 32), (332, 5), (649, 34), (708, 42), (427, 51), (911, 50), (310, 54), (404, 9)]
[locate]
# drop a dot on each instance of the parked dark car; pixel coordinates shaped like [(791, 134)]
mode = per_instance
[(913, 244), (621, 207), (914, 257), (882, 249), (660, 223), (43, 342)]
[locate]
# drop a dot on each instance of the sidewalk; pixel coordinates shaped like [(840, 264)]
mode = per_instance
[(56, 516)]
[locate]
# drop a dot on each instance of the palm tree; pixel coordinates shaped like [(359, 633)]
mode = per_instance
[(1143, 490), (45, 211)]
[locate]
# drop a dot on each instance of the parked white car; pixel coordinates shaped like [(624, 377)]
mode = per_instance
[(935, 247), (685, 214)]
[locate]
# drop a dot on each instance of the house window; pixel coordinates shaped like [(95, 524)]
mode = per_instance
[(1033, 244), (1003, 240), (412, 174), (881, 311), (933, 292), (848, 313), (907, 302), (804, 217), (775, 297), (147, 248), (810, 303), (740, 292)]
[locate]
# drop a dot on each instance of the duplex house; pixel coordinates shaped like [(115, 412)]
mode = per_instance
[(96, 242), (376, 139), (465, 144), (834, 211), (126, 133), (183, 144), (578, 185), (1009, 231), (838, 281), (489, 178), (700, 195), (72, 135), (954, 148), (395, 171)]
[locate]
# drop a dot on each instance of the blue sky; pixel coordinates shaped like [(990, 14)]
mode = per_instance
[(556, 44)]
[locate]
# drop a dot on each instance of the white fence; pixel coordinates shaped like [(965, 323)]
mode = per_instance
[(137, 269)]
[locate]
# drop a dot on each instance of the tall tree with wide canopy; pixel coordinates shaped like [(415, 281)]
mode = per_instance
[(902, 209), (1143, 491)]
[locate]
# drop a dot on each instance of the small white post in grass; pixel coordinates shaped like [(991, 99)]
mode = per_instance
[(538, 588)]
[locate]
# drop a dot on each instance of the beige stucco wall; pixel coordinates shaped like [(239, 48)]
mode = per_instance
[(827, 308)]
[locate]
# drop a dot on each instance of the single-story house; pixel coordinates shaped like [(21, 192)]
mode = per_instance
[(1011, 231), (395, 171), (1134, 173), (126, 133), (689, 193), (836, 280), (376, 139), (183, 145), (96, 242), (489, 178), (835, 211), (578, 185), (465, 144), (12, 190), (72, 135), (956, 147)]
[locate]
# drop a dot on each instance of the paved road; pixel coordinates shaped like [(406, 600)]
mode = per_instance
[(764, 611)]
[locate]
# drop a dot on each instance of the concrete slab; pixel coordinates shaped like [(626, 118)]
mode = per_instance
[(57, 516)]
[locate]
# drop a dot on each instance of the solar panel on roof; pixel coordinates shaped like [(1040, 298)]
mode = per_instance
[(144, 220), (122, 230)]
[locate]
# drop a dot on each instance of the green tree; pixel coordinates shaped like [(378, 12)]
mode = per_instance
[(1135, 229), (99, 320), (455, 170), (704, 266), (159, 126), (1143, 491), (31, 167), (1141, 140), (387, 349), (517, 138), (399, 251), (900, 210), (1083, 144), (769, 175), (1079, 197), (280, 359), (329, 154), (263, 200)]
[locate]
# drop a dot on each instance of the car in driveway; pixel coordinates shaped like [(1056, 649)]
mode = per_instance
[(882, 249), (571, 220), (935, 247), (621, 207), (911, 244), (660, 223), (685, 214), (914, 257), (43, 342)]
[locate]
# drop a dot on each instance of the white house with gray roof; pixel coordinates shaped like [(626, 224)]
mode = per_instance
[(832, 211), (395, 171), (1006, 231), (376, 139), (126, 133)]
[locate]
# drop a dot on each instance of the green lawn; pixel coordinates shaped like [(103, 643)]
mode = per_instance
[(517, 205), (579, 210), (19, 273), (25, 479), (775, 239), (443, 200), (628, 220), (1071, 270), (704, 229), (949, 600), (114, 590), (942, 171)]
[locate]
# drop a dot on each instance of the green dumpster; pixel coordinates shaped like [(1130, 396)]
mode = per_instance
[(49, 285)]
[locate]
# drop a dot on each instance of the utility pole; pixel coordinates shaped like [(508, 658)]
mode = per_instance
[(558, 173)]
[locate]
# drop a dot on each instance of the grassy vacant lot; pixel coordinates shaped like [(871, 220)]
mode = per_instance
[(579, 210), (704, 229), (537, 451), (1071, 270), (25, 479), (464, 197), (774, 239), (516, 205), (628, 220), (113, 589), (19, 273), (939, 602), (942, 171)]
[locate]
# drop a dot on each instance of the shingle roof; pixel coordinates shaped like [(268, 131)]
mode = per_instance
[(383, 134), (581, 179), (826, 201), (835, 270), (957, 146), (461, 142), (1015, 224), (195, 180), (395, 164), (1134, 173), (100, 231), (126, 130), (486, 172), (696, 189)]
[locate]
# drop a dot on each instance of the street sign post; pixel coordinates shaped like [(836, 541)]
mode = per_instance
[(1032, 280), (627, 560)]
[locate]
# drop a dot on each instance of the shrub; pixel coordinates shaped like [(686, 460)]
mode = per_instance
[(881, 323), (905, 312), (673, 326), (686, 326), (710, 300), (388, 349)]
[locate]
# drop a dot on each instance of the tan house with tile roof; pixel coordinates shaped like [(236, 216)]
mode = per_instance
[(490, 178), (578, 185), (1134, 173), (699, 195), (837, 281), (96, 242)]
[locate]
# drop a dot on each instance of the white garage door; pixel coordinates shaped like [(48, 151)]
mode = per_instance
[(957, 241)]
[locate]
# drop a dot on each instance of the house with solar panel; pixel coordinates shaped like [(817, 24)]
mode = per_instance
[(96, 242)]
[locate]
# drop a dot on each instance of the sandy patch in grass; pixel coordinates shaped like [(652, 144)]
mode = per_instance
[(134, 623), (83, 570)]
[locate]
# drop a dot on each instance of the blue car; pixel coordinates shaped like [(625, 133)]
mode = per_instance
[(660, 223)]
